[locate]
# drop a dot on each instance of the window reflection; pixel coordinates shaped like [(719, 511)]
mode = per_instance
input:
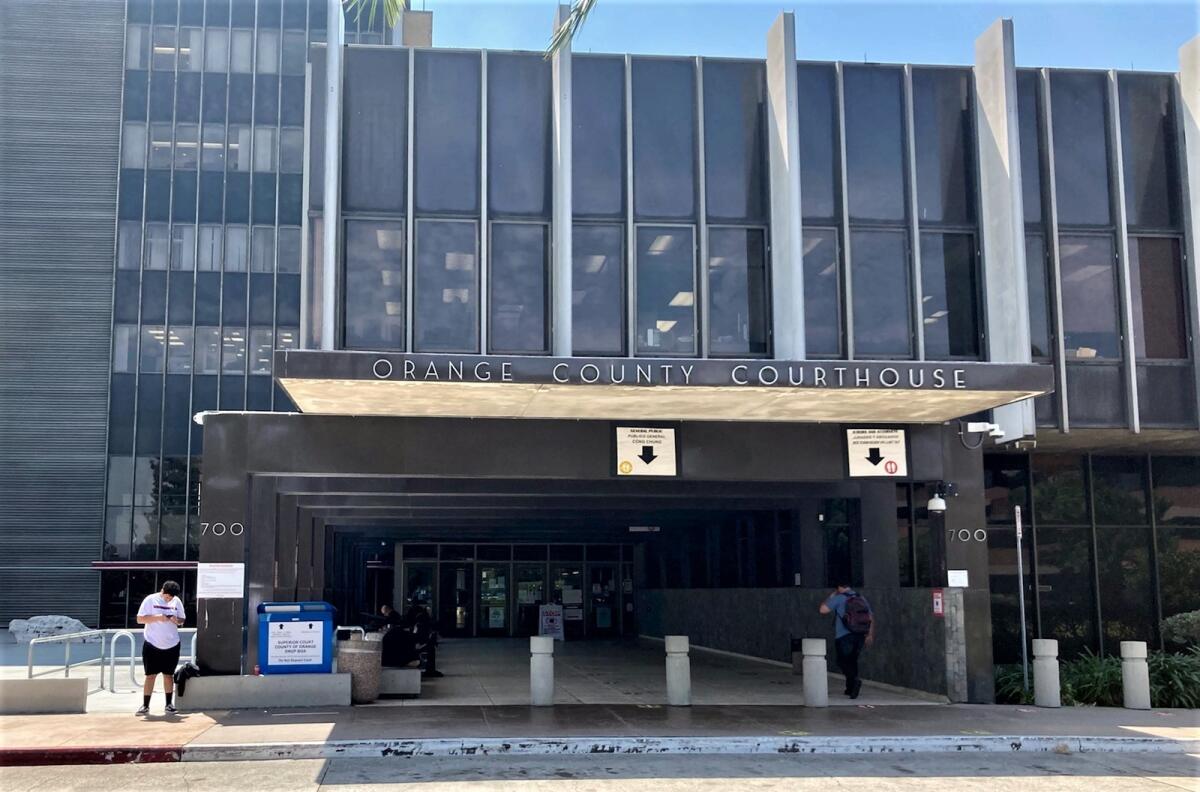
[(519, 287), (129, 244), (735, 159), (1039, 297), (183, 247), (1080, 147), (153, 352), (208, 350), (156, 247), (212, 146), (1150, 148), (1089, 302), (447, 299), (137, 47), (597, 282), (216, 49), (664, 143), (179, 350), (666, 290), (1157, 288), (822, 293), (264, 148), (160, 146), (236, 248), (446, 95), (519, 130), (949, 296), (598, 135), (233, 351), (238, 147), (375, 309), (1029, 123), (133, 145), (260, 350), (262, 250), (162, 54), (944, 142), (208, 258), (874, 144), (125, 343), (191, 49), (819, 169), (737, 293), (882, 296)]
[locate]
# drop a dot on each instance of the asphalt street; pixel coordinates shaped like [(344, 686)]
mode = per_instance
[(1093, 772)]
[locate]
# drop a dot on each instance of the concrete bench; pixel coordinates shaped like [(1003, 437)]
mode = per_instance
[(271, 691), (43, 696), (400, 682)]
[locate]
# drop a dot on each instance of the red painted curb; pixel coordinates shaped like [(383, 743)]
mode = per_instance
[(116, 754)]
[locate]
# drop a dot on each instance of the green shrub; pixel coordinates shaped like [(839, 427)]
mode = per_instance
[(1182, 629), (1092, 679), (1175, 679)]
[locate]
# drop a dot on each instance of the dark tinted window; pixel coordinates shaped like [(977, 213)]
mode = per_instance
[(447, 287), (945, 151), (135, 95), (666, 290), (266, 99), (518, 287), (212, 196), (233, 299), (1039, 296), (1157, 288), (264, 198), (214, 98), (162, 95), (184, 207), (1177, 514), (1119, 490), (208, 297), (819, 169), (287, 300), (1089, 299), (598, 326), (519, 135), (375, 279), (291, 101), (1150, 152), (882, 298), (1029, 123), (874, 143), (735, 151), (129, 200), (1080, 148), (149, 414), (664, 142), (262, 298), (822, 293), (187, 97), (179, 301), (241, 98), (375, 131), (447, 132), (737, 291), (158, 194), (949, 296), (598, 136), (1058, 489)]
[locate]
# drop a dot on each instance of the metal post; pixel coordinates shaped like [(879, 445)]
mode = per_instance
[(1021, 599), (67, 660)]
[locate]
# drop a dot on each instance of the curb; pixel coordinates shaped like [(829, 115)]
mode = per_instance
[(16, 757)]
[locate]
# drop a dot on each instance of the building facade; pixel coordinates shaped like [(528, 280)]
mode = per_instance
[(529, 253)]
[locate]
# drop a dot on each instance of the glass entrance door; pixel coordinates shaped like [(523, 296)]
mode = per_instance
[(419, 590), (493, 600), (531, 594), (603, 601), (567, 580), (456, 587)]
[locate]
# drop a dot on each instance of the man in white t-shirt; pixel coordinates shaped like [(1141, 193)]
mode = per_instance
[(161, 613)]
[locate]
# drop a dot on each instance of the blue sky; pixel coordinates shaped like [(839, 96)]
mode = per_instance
[(1119, 35)]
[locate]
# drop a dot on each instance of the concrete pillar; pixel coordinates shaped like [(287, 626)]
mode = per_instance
[(1188, 113), (1002, 214), (1135, 675), (816, 674), (561, 255), (679, 671), (331, 206), (1046, 691), (541, 671)]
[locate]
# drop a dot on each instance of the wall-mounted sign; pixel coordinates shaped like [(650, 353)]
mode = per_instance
[(220, 581), (296, 643), (956, 578), (645, 451), (939, 604), (550, 621), (872, 453)]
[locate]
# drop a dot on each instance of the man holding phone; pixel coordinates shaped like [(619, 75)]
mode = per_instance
[(161, 613)]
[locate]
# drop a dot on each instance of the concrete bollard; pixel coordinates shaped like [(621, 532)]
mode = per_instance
[(541, 671), (1135, 675), (816, 674), (679, 671), (1046, 691)]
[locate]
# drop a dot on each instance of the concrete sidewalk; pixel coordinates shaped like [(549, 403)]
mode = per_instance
[(103, 738)]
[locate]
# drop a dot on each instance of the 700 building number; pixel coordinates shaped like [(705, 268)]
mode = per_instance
[(966, 535), (221, 529)]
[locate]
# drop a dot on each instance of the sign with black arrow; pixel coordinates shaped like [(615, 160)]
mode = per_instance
[(646, 451), (876, 453)]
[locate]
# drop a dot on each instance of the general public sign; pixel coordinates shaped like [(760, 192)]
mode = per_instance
[(220, 581), (296, 643), (550, 621), (646, 451), (873, 453)]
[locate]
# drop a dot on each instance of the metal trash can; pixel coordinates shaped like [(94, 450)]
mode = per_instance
[(295, 637), (363, 660)]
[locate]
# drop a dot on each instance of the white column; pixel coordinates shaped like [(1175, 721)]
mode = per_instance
[(1002, 221), (541, 671), (1046, 692), (1189, 142), (1135, 675), (331, 210), (561, 344), (787, 247), (679, 671), (816, 673)]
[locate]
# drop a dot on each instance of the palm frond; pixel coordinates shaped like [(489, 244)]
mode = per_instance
[(391, 10), (570, 26)]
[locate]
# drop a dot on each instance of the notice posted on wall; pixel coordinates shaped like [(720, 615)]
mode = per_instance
[(295, 643), (220, 581), (550, 621)]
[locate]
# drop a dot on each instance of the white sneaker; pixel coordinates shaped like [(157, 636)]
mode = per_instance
[(143, 710)]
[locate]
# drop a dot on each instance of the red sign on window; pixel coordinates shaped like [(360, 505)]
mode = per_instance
[(939, 608)]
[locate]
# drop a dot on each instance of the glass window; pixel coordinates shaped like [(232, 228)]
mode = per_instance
[(212, 155), (129, 245), (1150, 150), (519, 288), (1157, 286), (208, 350), (238, 152), (945, 149), (137, 47), (264, 148), (518, 135), (1089, 300), (267, 57), (598, 136), (162, 96), (446, 131), (666, 290), (1123, 569), (375, 285), (160, 145), (233, 351), (216, 50), (262, 249), (183, 247), (287, 337), (163, 54), (125, 342), (295, 52), (213, 98), (291, 150), (664, 141), (179, 350), (1119, 490), (1068, 605), (1058, 489), (260, 350), (597, 283), (819, 155), (1177, 514), (737, 291), (236, 248), (209, 256), (133, 145), (241, 51), (1080, 147), (949, 296), (735, 151), (374, 130), (157, 247), (185, 146), (241, 98), (882, 298), (874, 145), (191, 49), (153, 349), (822, 293), (447, 297), (1029, 123), (1040, 338), (288, 250)]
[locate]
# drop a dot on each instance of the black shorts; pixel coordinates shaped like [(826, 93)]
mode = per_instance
[(159, 661)]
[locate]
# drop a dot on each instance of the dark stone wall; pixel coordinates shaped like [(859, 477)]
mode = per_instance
[(910, 642)]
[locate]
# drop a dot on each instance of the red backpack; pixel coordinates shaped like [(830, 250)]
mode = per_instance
[(856, 615)]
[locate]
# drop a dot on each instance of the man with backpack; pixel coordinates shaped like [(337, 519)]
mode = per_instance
[(854, 628)]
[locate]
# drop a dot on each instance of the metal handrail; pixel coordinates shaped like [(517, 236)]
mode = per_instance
[(351, 628), (132, 657), (108, 651), (67, 640)]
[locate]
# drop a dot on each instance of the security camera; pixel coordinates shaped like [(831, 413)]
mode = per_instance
[(936, 504), (995, 432), (937, 501)]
